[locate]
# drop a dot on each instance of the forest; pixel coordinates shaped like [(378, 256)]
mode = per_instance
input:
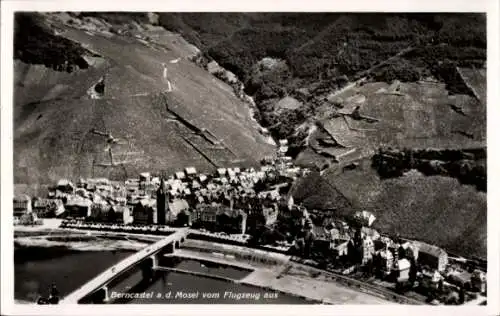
[(35, 43), (467, 167)]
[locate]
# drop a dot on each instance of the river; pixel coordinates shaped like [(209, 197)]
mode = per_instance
[(36, 268)]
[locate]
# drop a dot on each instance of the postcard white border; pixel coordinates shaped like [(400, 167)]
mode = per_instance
[(8, 7)]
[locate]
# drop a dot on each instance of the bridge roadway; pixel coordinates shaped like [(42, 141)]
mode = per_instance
[(105, 277)]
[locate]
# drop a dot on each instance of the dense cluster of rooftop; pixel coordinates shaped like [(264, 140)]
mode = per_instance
[(257, 203)]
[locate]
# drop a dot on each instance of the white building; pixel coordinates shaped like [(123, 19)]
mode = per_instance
[(22, 205), (190, 171), (366, 217), (180, 175), (403, 270)]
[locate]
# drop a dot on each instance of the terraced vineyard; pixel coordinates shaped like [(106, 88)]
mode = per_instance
[(53, 113)]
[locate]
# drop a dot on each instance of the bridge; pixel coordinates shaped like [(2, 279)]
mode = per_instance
[(97, 289)]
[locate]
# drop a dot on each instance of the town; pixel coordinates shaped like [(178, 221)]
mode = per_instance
[(255, 207)]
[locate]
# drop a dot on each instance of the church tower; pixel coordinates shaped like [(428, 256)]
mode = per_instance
[(161, 203)]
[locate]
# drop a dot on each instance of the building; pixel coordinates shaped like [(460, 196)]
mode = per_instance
[(29, 219), (340, 247), (57, 207), (271, 214), (365, 218), (221, 172), (180, 175), (430, 280), (322, 238), (190, 172), (232, 221), (104, 190), (431, 256), (461, 279), (65, 186), (175, 207), (22, 205), (145, 212), (370, 232), (145, 177), (121, 214), (40, 207), (45, 208), (402, 270), (99, 181), (205, 216), (162, 204), (144, 181), (262, 216), (184, 218), (82, 192), (334, 233), (231, 174), (409, 250), (202, 178), (478, 281), (384, 261), (78, 207), (367, 250), (100, 212), (155, 181)]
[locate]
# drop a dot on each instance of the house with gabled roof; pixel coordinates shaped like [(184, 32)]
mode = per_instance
[(78, 207), (145, 212), (231, 221), (432, 256), (22, 205), (122, 214)]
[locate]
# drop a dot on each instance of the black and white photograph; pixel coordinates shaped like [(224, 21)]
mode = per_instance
[(330, 158)]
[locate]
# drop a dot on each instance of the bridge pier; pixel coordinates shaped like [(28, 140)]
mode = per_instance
[(101, 296), (170, 248), (106, 294), (147, 268), (154, 259)]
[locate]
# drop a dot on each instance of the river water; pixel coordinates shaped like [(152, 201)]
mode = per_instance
[(37, 268)]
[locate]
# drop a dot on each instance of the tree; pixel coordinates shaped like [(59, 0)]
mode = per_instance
[(412, 277), (461, 296)]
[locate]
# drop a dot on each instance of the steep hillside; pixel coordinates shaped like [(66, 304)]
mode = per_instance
[(200, 122), (436, 209), (326, 51)]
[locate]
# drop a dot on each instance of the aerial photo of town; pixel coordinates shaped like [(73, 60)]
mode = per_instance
[(250, 158)]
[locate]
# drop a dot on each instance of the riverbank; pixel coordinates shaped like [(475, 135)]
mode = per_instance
[(276, 272), (80, 242), (264, 276)]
